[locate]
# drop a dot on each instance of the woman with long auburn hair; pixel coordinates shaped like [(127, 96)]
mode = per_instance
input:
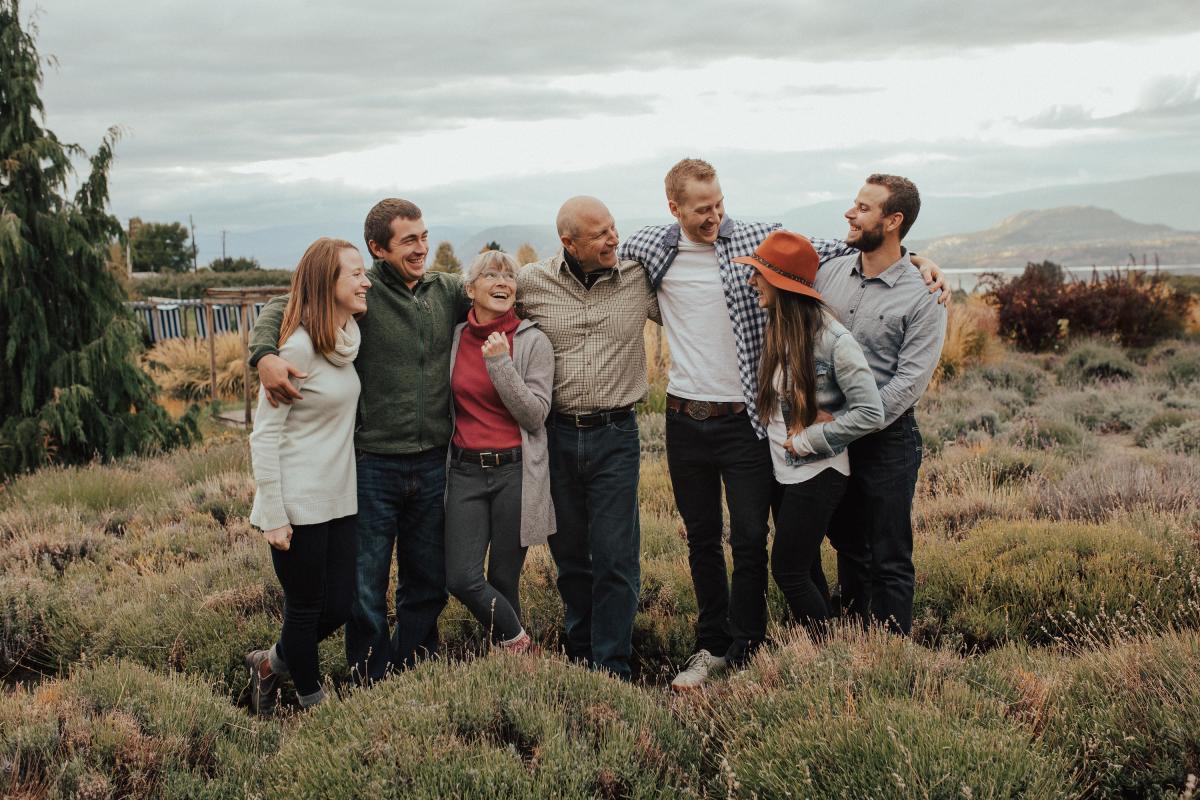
[(303, 460), (818, 394)]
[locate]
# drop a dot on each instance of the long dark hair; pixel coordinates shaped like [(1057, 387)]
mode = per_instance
[(794, 323)]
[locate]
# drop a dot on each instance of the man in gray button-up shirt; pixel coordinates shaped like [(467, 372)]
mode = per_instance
[(880, 296)]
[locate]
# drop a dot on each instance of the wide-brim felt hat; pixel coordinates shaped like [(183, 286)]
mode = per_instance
[(788, 262)]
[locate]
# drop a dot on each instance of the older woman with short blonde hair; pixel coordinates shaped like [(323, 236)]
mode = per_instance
[(498, 486)]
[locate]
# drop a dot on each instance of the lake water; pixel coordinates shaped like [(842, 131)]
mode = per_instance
[(968, 279)]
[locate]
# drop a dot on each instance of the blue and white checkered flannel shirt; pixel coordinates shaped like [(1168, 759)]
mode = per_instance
[(656, 247)]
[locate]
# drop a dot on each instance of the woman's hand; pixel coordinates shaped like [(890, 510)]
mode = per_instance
[(279, 538), (822, 416), (496, 345)]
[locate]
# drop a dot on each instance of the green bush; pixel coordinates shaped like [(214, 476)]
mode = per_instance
[(191, 285), (497, 727), (1043, 582), (1092, 361), (1011, 374), (1102, 412), (1045, 434), (1180, 369), (1183, 439), (1158, 424), (1130, 716), (873, 716), (119, 730)]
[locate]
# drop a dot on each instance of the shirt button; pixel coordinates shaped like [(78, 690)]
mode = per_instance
[(862, 285), (852, 311)]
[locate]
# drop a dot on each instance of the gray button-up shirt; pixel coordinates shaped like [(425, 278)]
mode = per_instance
[(895, 319)]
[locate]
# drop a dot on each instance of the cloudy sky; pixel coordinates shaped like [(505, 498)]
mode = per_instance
[(298, 115)]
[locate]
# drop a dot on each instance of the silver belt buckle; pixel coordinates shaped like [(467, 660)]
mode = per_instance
[(484, 455), (699, 410)]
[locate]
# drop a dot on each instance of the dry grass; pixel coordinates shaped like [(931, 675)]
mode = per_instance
[(182, 367)]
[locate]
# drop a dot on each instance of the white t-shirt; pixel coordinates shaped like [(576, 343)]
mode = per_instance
[(785, 472), (704, 362)]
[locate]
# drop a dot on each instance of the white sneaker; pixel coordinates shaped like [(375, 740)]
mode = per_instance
[(696, 671)]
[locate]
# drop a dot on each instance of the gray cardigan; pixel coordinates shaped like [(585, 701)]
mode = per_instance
[(524, 380)]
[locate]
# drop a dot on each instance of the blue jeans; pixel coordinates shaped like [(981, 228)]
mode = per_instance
[(400, 507), (594, 476)]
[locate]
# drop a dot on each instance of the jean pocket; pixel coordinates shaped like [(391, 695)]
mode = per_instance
[(627, 425)]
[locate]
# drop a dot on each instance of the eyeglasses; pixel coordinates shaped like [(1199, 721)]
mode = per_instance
[(492, 276)]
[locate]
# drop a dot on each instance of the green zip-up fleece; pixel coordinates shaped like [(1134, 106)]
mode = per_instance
[(403, 362)]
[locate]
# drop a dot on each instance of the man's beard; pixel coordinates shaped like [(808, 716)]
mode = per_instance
[(870, 240)]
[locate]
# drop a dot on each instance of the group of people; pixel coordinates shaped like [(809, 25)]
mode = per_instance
[(461, 420)]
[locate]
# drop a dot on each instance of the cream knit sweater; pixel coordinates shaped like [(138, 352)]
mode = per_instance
[(303, 453)]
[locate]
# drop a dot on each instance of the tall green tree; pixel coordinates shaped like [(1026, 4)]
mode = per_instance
[(70, 385), (161, 247)]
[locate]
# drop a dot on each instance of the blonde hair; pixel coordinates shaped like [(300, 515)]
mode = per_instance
[(688, 169), (312, 301)]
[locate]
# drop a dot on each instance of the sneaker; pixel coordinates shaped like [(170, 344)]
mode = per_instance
[(696, 671), (264, 688), (518, 644)]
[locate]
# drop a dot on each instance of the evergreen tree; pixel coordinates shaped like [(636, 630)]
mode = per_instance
[(444, 259), (70, 386)]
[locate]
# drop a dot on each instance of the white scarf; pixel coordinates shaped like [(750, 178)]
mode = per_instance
[(346, 348)]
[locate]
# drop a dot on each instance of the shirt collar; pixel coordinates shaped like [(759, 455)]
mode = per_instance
[(567, 262), (674, 232), (892, 273)]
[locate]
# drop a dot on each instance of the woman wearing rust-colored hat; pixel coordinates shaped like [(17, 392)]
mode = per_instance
[(818, 395)]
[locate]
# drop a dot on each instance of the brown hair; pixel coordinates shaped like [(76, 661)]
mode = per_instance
[(794, 323), (903, 198), (686, 170), (378, 227), (311, 302)]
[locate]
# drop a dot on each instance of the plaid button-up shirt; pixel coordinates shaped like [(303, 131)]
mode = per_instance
[(597, 333), (655, 248)]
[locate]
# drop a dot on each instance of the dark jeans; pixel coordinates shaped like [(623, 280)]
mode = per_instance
[(594, 476), (800, 528), (872, 527), (317, 576), (400, 507), (701, 455), (483, 518)]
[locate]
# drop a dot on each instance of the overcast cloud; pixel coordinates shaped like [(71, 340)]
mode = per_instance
[(293, 114)]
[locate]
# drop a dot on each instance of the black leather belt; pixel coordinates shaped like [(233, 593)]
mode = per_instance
[(702, 409), (485, 458), (596, 418)]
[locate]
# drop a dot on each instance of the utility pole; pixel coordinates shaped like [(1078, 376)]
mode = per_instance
[(191, 224), (129, 249), (222, 247)]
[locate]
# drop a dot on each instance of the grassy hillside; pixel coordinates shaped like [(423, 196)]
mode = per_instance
[(1056, 651)]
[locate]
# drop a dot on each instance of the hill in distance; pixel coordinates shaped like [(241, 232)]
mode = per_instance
[(1167, 199), (1072, 236)]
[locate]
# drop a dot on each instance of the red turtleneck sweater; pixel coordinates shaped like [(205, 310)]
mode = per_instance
[(481, 421)]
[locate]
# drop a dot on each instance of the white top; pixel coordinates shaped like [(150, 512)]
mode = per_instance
[(704, 362), (786, 472), (303, 453)]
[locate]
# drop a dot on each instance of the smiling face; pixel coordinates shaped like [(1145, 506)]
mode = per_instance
[(868, 224), (699, 208), (493, 290), (592, 239), (350, 288), (406, 251), (767, 294)]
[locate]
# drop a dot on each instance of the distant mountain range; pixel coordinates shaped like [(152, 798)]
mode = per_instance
[(1071, 236), (1164, 199)]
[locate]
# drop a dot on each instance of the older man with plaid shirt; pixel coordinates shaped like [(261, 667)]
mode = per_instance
[(714, 432)]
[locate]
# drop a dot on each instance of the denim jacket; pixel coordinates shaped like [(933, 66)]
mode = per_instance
[(846, 389)]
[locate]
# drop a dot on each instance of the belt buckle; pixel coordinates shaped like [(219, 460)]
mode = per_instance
[(484, 455), (699, 410)]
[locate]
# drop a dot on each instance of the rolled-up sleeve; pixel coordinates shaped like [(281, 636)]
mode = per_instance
[(918, 358)]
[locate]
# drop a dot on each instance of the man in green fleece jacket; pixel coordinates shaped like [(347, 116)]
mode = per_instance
[(403, 430)]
